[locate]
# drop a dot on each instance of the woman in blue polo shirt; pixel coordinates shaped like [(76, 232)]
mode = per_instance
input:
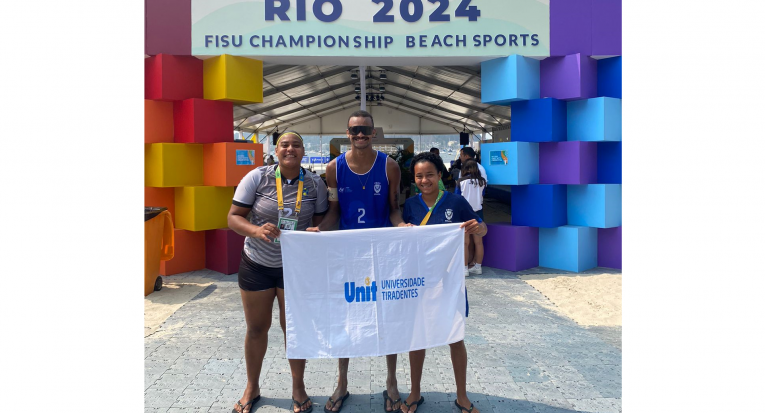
[(432, 207)]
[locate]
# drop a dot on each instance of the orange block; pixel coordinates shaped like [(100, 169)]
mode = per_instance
[(189, 253), (157, 121), (226, 163), (160, 197)]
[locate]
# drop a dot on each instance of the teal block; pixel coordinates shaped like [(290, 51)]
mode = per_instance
[(509, 79), (597, 119), (568, 248), (594, 205), (511, 163)]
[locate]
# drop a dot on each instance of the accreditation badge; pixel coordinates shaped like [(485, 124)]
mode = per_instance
[(286, 224)]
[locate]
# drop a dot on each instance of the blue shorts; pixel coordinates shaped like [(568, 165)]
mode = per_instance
[(480, 213)]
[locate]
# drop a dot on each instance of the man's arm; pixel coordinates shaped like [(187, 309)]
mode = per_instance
[(333, 213), (394, 180)]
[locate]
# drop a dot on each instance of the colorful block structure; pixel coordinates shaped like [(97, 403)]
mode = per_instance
[(233, 79), (610, 77), (596, 205), (173, 164), (203, 121), (189, 253), (542, 206), (511, 247), (160, 197), (606, 27), (598, 119), (199, 208), (223, 250), (610, 247), (168, 27), (511, 163), (568, 77), (568, 248), (171, 78), (570, 27), (609, 162), (539, 120), (158, 121), (568, 162), (226, 163), (509, 79)]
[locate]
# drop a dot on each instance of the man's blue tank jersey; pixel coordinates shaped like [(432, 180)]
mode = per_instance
[(363, 208), (450, 209)]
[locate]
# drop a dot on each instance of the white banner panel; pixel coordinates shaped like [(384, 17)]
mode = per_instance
[(373, 292)]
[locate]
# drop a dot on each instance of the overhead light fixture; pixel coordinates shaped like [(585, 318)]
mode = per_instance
[(354, 75), (358, 97), (382, 88), (382, 97), (379, 103), (357, 88), (383, 76)]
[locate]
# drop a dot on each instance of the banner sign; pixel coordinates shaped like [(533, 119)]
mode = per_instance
[(373, 292), (245, 157), (497, 158), (361, 28)]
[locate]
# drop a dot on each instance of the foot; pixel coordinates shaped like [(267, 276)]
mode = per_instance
[(394, 402), (467, 271), (300, 400), (336, 402), (475, 269), (465, 406), (410, 404), (244, 405)]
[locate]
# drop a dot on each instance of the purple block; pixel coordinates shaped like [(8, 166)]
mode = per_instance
[(606, 27), (571, 27), (572, 163), (168, 27), (610, 247), (569, 77), (512, 248)]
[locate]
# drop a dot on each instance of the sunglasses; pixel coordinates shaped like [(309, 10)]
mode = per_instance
[(364, 130)]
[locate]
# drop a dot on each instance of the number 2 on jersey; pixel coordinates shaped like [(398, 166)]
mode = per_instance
[(362, 212)]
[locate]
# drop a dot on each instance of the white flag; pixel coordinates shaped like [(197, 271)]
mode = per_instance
[(373, 292)]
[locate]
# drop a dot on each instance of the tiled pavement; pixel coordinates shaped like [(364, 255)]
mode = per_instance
[(523, 357)]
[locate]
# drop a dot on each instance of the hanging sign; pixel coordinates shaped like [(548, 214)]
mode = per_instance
[(374, 28)]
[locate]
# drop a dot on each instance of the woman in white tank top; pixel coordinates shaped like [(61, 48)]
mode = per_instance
[(471, 185)]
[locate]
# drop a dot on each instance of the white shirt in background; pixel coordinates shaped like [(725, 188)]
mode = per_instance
[(472, 193)]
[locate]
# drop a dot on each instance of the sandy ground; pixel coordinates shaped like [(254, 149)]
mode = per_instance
[(160, 305), (590, 299)]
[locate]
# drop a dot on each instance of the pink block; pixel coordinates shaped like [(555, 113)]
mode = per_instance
[(223, 250), (203, 121), (168, 27)]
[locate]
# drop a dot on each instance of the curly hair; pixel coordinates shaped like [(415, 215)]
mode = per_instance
[(428, 157)]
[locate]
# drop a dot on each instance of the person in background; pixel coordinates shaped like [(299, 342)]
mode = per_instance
[(267, 198), (465, 154), (471, 186), (270, 160), (432, 207)]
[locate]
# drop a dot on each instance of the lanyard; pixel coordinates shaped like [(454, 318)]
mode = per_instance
[(427, 217), (280, 198)]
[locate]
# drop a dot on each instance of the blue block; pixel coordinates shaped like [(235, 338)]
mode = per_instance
[(610, 77), (538, 120), (597, 119), (511, 163), (538, 205), (568, 248), (609, 162), (595, 205), (509, 79)]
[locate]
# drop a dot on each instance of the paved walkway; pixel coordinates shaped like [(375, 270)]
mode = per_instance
[(523, 357)]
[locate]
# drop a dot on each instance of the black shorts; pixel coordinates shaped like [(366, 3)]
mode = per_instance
[(256, 277)]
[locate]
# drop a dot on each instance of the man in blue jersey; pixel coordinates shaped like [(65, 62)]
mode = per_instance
[(362, 193)]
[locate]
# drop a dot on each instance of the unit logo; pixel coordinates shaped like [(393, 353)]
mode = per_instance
[(364, 293), (449, 214), (378, 188)]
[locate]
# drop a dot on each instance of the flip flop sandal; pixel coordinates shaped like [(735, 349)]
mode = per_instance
[(243, 406), (295, 403), (419, 402), (334, 402), (392, 402), (468, 411)]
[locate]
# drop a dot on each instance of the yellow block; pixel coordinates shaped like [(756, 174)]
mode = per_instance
[(233, 79), (173, 164), (199, 208)]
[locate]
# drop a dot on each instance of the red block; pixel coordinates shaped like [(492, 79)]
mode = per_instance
[(168, 27), (203, 121), (171, 78), (223, 250), (189, 253)]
